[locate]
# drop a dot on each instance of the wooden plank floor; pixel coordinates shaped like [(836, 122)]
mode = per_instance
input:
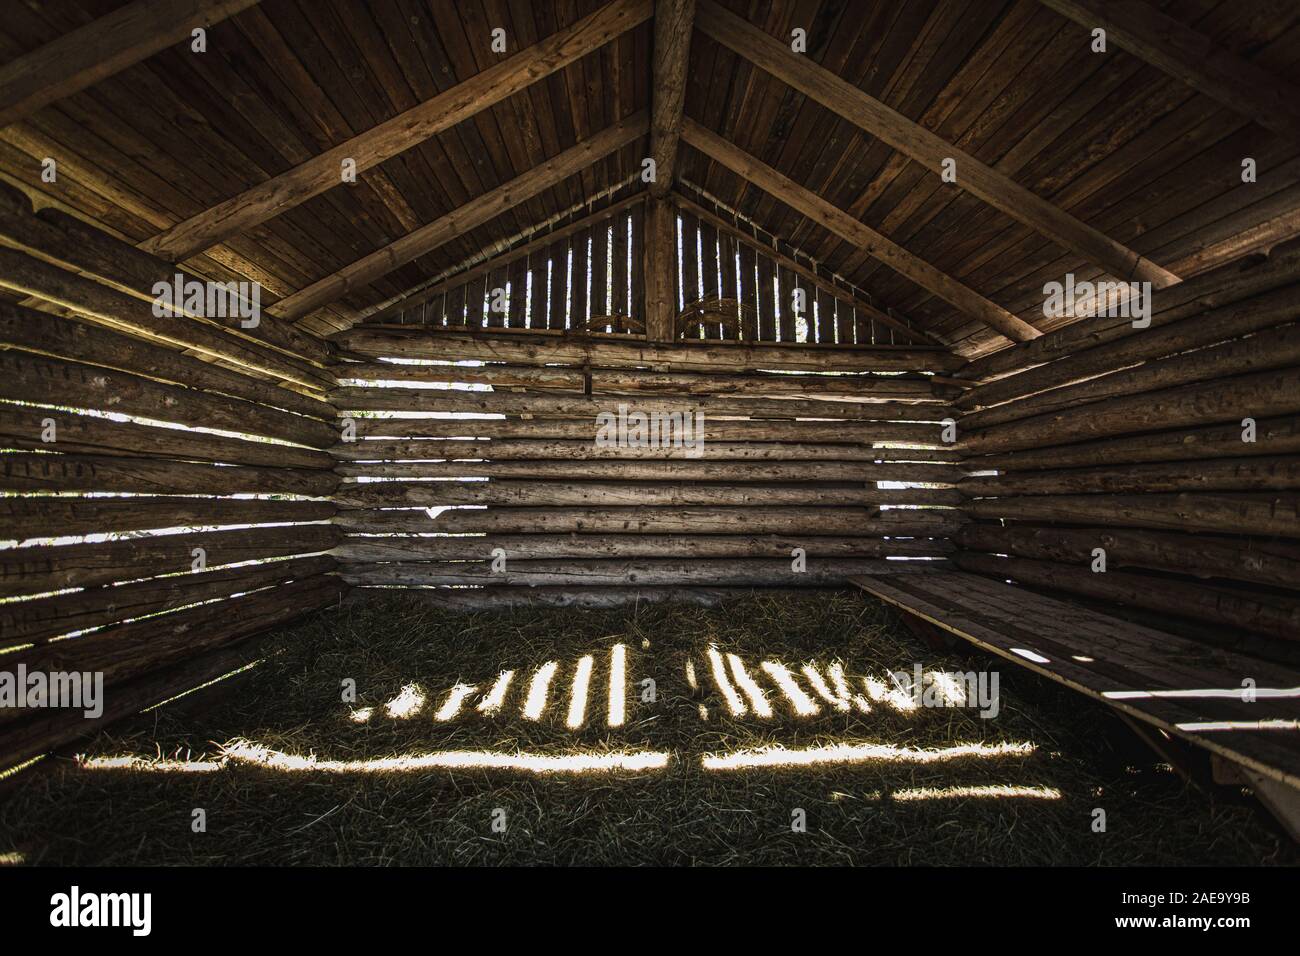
[(1180, 686)]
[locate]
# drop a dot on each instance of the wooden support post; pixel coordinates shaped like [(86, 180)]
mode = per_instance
[(660, 264)]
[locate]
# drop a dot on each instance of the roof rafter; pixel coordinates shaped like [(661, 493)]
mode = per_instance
[(404, 131), (101, 48), (1193, 58), (846, 227), (917, 142), (474, 213)]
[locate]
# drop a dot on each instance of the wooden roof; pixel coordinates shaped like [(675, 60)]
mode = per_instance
[(1136, 152)]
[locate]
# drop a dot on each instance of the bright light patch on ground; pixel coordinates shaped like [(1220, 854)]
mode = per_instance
[(891, 696), (778, 756), (406, 704), (454, 702), (840, 701), (691, 680), (977, 793), (803, 705), (13, 858), (578, 696), (361, 715), (757, 699), (538, 689), (719, 669), (490, 704), (617, 685), (240, 752)]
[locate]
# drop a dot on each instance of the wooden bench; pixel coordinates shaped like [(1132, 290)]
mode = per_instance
[(1187, 690)]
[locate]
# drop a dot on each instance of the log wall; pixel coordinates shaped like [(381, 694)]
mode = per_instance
[(166, 484), (1174, 450), (468, 448)]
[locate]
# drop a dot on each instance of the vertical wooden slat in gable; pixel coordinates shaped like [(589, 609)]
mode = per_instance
[(766, 303), (578, 310), (788, 282), (826, 317), (843, 322), (454, 309), (638, 264), (727, 266), (690, 261), (474, 291), (709, 274), (618, 273), (518, 285), (599, 294), (559, 285), (748, 293), (538, 267)]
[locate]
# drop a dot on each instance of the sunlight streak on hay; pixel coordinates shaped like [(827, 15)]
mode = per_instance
[(497, 696), (617, 685), (538, 689), (361, 715), (149, 763), (890, 696), (965, 793), (778, 756), (803, 705), (406, 704), (757, 699), (242, 752), (691, 680), (455, 701), (839, 701), (12, 859), (950, 689), (719, 668), (578, 696)]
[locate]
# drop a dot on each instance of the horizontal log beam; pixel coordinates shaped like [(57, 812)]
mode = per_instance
[(589, 407), (34, 570), (696, 471), (1271, 563), (1211, 290), (527, 450), (732, 572), (422, 494), (1260, 395), (23, 426), (556, 349), (549, 379), (1227, 512), (498, 599), (863, 522), (20, 471), (359, 550), (1218, 325), (1226, 474), (722, 430), (48, 517), (62, 338), (1273, 436), (35, 620), (32, 378), (1271, 348)]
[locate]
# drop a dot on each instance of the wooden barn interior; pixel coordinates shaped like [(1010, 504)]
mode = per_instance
[(451, 242)]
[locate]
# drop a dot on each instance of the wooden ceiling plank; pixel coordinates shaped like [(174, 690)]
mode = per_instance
[(474, 213), (394, 136), (876, 118), (858, 233), (102, 48), (1193, 58)]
